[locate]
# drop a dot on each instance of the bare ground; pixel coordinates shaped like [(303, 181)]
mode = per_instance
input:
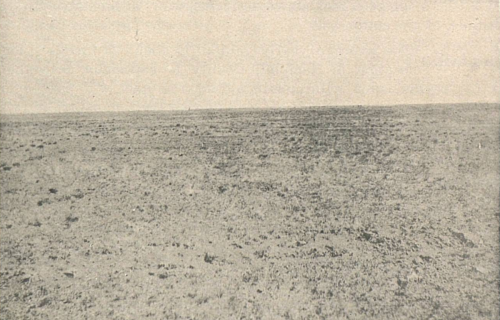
[(344, 213)]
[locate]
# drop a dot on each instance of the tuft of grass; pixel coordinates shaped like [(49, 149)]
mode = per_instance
[(209, 258)]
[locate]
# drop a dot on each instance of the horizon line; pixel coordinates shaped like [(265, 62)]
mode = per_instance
[(247, 108)]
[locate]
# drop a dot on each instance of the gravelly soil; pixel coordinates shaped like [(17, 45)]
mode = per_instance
[(344, 213)]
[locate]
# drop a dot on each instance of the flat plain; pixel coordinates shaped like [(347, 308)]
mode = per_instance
[(311, 213)]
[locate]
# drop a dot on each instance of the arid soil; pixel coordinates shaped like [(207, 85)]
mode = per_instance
[(319, 213)]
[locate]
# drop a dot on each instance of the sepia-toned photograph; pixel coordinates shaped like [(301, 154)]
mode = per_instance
[(217, 159)]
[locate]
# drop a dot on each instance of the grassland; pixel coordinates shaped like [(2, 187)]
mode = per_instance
[(318, 213)]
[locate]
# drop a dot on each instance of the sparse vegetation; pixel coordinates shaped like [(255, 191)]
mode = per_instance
[(327, 213)]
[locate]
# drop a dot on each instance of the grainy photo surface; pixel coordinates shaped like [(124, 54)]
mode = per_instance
[(249, 160)]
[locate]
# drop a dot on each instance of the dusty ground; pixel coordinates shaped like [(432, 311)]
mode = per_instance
[(331, 213)]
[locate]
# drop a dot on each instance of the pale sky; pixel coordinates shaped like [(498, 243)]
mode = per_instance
[(77, 55)]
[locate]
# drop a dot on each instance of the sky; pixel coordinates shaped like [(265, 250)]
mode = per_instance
[(102, 55)]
